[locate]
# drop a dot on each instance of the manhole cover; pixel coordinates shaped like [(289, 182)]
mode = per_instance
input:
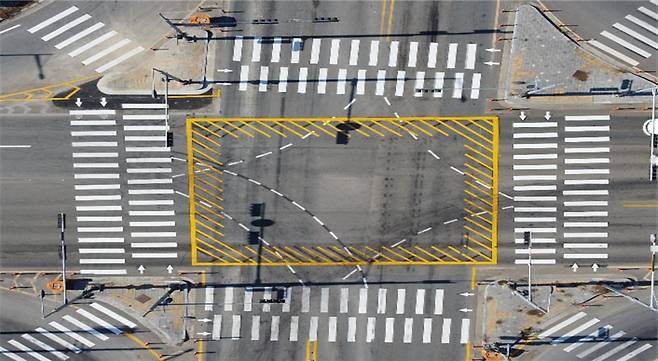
[(142, 298)]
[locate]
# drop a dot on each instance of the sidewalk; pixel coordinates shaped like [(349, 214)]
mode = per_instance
[(544, 63)]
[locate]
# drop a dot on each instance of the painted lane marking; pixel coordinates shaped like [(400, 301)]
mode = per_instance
[(52, 19)]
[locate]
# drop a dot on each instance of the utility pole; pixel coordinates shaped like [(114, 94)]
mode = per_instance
[(652, 298), (154, 94), (61, 224), (527, 239)]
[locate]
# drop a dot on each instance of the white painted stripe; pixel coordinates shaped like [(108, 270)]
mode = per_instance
[(94, 144), (381, 301), (635, 34), (324, 300), (535, 125), (445, 330), (306, 299), (626, 44), (228, 299), (586, 245), (399, 308), (71, 334), (84, 327), (255, 327), (420, 301), (363, 300), (216, 327), (235, 327), (105, 51), (58, 340), (146, 171), (92, 112), (148, 149), (28, 350), (466, 323), (534, 219), (585, 234), (315, 51), (586, 192), (562, 325), (374, 53), (152, 234), (615, 350), (96, 155), (648, 12), (470, 56), (535, 188), (613, 52), (334, 52), (52, 19), (248, 300), (586, 161), (438, 301), (351, 329), (10, 29), (283, 79), (103, 272), (393, 53), (381, 78), (452, 55), (296, 50), (94, 133), (294, 328), (262, 84), (313, 329), (153, 224), (344, 298), (66, 27), (427, 330), (144, 117), (388, 334), (589, 338), (144, 127), (635, 352), (354, 52), (586, 117), (322, 80), (370, 329), (255, 54), (210, 298), (361, 82), (399, 83), (535, 251), (535, 135), (586, 214), (420, 83), (79, 35), (408, 330), (96, 165), (98, 198), (99, 219), (575, 331), (642, 23), (150, 191), (153, 245), (413, 54), (431, 55), (237, 48), (44, 346), (534, 166), (586, 204), (143, 106), (301, 84), (102, 261), (100, 240), (585, 181), (536, 240), (458, 86), (535, 229), (100, 229), (276, 49), (274, 329), (340, 84), (535, 198), (155, 255), (244, 77), (536, 146), (92, 122), (588, 128), (97, 208), (586, 171), (100, 322), (150, 181), (267, 295), (600, 345), (438, 84), (535, 209), (475, 85)]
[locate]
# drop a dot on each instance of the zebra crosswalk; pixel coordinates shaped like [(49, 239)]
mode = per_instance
[(74, 333), (591, 339), (345, 314), (334, 64), (581, 142), (98, 51), (105, 173)]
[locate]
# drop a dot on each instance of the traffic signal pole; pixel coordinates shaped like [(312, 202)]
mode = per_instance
[(61, 224)]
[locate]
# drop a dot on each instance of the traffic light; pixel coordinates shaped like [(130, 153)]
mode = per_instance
[(526, 238), (170, 139), (61, 221), (254, 237), (256, 209)]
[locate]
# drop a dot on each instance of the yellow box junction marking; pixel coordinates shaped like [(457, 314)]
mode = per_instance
[(480, 170)]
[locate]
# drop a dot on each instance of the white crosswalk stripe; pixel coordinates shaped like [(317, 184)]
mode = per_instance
[(66, 27), (45, 346), (52, 19)]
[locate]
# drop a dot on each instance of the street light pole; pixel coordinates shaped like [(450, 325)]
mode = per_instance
[(652, 298), (154, 94), (61, 224), (653, 132), (527, 239)]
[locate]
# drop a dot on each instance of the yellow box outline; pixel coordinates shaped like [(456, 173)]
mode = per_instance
[(494, 121)]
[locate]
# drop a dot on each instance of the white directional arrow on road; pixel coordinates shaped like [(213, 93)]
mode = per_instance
[(204, 320), (595, 267), (141, 269), (204, 333), (492, 50), (170, 269), (103, 102), (491, 63), (466, 294), (225, 70), (522, 116), (547, 116), (574, 267), (78, 102), (465, 310)]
